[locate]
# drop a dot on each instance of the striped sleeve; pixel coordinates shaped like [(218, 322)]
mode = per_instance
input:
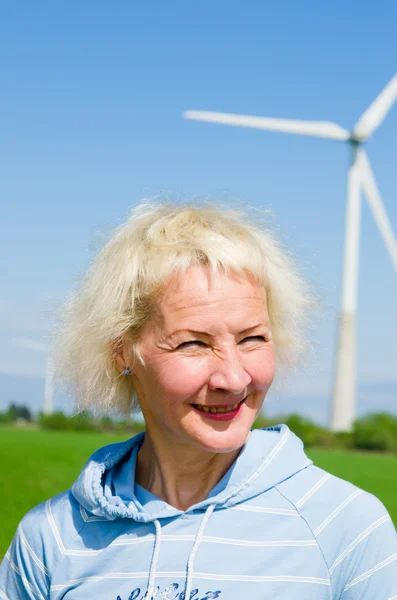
[(26, 570), (23, 574), (366, 569), (354, 531)]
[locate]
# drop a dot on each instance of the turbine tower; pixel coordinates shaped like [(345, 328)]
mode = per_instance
[(48, 389), (360, 178)]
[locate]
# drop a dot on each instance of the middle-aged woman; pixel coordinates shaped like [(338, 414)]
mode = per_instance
[(185, 313)]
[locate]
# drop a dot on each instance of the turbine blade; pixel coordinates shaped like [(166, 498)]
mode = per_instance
[(323, 129), (377, 111), (376, 205)]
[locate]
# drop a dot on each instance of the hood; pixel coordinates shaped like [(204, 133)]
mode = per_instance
[(106, 486)]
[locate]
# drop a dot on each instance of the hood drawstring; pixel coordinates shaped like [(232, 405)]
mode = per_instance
[(192, 555), (155, 558), (190, 562)]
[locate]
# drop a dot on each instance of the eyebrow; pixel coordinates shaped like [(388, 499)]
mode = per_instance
[(194, 332)]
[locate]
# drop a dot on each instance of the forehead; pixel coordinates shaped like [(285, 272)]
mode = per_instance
[(201, 292)]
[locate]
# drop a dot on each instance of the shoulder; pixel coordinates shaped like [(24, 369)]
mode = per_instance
[(322, 498), (46, 531), (54, 522), (39, 544), (352, 527)]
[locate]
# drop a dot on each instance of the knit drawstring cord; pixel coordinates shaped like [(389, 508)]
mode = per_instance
[(197, 541), (155, 558)]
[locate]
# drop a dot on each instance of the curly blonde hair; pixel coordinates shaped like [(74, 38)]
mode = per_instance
[(160, 240)]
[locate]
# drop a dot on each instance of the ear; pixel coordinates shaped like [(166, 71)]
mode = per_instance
[(122, 354)]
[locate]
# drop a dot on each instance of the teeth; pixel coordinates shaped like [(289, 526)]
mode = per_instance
[(217, 410)]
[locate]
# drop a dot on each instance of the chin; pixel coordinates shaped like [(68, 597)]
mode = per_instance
[(223, 440)]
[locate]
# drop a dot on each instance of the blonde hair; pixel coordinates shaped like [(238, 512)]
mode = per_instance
[(157, 241)]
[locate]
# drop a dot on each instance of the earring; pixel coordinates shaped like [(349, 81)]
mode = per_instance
[(127, 371)]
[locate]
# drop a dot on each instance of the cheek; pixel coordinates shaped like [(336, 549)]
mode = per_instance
[(183, 377), (261, 367)]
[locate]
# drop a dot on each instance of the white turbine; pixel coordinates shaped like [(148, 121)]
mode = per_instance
[(360, 177), (49, 380), (48, 389)]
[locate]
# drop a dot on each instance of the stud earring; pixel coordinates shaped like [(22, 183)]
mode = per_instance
[(127, 371)]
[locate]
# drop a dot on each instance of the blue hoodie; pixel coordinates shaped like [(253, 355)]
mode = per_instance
[(274, 527)]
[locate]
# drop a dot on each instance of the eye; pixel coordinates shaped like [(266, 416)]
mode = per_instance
[(255, 338), (191, 343)]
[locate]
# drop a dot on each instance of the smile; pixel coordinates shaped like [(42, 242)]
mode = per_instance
[(226, 412), (223, 409)]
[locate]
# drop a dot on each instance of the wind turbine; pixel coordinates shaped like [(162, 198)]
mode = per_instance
[(360, 178), (48, 378), (48, 389)]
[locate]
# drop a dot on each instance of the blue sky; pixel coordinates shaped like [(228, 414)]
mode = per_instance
[(90, 115)]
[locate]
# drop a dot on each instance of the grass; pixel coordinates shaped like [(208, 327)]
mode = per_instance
[(39, 464)]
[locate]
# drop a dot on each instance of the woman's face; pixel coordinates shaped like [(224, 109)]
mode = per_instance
[(209, 361)]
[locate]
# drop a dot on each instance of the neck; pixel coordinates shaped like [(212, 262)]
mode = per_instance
[(181, 475)]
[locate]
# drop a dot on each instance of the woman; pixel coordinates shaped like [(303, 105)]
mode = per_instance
[(186, 313)]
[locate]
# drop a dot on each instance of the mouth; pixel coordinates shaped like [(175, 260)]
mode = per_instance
[(222, 412)]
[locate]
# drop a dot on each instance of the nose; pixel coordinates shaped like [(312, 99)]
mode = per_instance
[(229, 374)]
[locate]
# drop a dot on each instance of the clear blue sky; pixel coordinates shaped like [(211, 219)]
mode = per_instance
[(90, 112)]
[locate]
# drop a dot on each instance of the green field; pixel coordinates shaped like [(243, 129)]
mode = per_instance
[(40, 464)]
